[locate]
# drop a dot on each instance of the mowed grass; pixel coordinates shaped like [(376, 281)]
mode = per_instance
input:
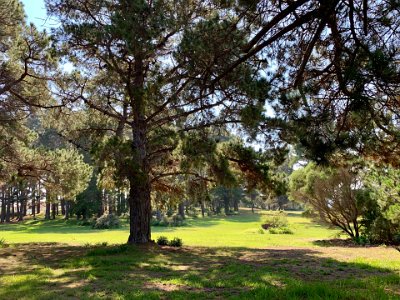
[(241, 230), (223, 258)]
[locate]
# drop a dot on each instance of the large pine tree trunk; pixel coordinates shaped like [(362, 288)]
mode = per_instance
[(140, 213), (139, 192)]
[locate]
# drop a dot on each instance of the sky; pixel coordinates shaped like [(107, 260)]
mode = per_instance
[(36, 13)]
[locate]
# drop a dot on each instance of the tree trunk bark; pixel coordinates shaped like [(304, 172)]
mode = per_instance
[(203, 211), (53, 211), (3, 207), (181, 209), (63, 207), (47, 212), (66, 210), (226, 204), (8, 209), (34, 204), (140, 186), (236, 205), (140, 214), (38, 205)]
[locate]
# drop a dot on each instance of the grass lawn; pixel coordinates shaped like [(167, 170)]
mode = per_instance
[(234, 231), (222, 258)]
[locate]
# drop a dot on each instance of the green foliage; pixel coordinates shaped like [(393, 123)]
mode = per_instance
[(107, 221), (162, 240), (172, 221), (332, 194), (275, 220), (3, 243), (380, 202), (175, 242)]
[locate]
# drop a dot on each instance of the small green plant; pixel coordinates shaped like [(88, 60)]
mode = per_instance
[(261, 231), (106, 221), (175, 242), (3, 243), (162, 241)]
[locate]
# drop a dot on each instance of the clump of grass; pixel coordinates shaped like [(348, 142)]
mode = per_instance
[(103, 251), (162, 241), (175, 242), (261, 231), (3, 243), (280, 230)]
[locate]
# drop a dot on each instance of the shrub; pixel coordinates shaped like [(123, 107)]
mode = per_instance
[(276, 220), (309, 213), (174, 221), (106, 221), (162, 241), (261, 231), (280, 230), (86, 222), (175, 242)]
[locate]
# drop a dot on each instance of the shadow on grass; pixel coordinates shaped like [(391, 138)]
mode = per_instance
[(127, 272)]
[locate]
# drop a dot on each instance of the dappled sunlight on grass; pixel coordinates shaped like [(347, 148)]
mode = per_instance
[(121, 271)]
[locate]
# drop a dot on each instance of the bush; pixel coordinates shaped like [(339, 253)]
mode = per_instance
[(280, 230), (175, 242), (86, 222), (162, 241), (174, 221), (309, 213), (106, 221), (277, 220)]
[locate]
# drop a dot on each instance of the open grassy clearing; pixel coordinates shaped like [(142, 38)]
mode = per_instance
[(222, 258), (234, 231)]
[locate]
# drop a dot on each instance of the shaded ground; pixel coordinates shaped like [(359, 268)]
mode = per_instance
[(49, 271)]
